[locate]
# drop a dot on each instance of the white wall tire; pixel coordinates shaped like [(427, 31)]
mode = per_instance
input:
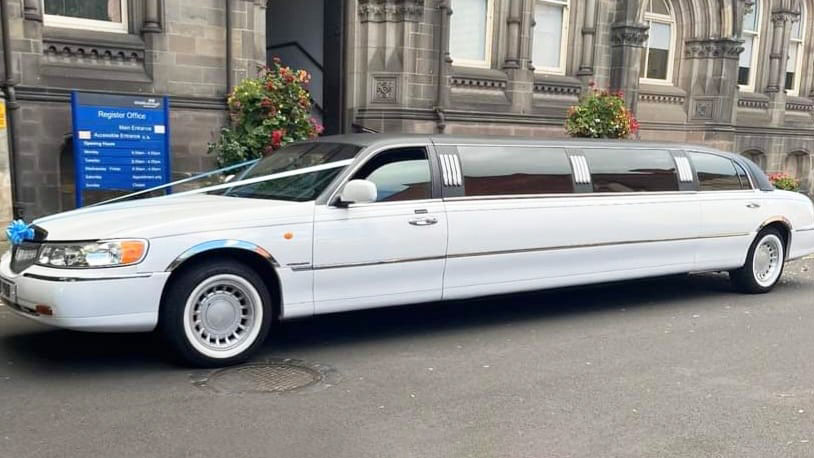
[(764, 264), (216, 313)]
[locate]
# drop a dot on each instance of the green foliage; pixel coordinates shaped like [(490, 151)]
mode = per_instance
[(266, 113), (601, 114), (784, 181)]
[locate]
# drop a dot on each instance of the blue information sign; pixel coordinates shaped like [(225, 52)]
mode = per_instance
[(120, 142)]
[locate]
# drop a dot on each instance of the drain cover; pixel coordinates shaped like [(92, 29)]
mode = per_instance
[(272, 377)]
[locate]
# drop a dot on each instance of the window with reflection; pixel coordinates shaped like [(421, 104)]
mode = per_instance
[(616, 170), (794, 63), (470, 35), (399, 174), (550, 36), (506, 170), (101, 15), (751, 45), (657, 55), (716, 173)]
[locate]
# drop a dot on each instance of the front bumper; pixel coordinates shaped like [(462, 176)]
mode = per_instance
[(99, 300)]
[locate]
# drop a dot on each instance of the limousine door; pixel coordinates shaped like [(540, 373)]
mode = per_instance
[(529, 217), (388, 252), (731, 211)]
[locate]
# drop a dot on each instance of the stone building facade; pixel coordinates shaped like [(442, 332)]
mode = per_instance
[(176, 48), (733, 74)]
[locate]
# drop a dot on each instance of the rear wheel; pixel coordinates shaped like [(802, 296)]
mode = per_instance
[(764, 264), (216, 313)]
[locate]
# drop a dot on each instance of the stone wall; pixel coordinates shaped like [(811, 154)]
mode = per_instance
[(400, 76), (175, 48)]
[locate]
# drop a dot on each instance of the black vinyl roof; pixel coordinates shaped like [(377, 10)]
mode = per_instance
[(384, 140)]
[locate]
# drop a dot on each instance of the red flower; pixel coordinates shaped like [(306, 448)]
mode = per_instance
[(277, 138)]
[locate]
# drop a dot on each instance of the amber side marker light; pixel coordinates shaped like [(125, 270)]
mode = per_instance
[(132, 251), (44, 310)]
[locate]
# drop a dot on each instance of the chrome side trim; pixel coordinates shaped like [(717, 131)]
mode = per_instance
[(81, 279), (367, 263), (684, 169), (808, 229), (515, 251), (216, 244)]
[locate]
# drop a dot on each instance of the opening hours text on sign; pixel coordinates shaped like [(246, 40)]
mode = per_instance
[(121, 143)]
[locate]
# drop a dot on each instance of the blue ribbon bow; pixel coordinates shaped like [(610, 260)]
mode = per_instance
[(18, 232)]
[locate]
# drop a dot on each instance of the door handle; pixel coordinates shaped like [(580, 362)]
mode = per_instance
[(752, 205), (427, 221)]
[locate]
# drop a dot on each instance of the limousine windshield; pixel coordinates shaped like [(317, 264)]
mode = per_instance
[(298, 188)]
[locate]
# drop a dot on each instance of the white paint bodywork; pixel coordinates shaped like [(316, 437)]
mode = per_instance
[(331, 259)]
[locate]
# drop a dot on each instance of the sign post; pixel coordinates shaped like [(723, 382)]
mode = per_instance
[(121, 143)]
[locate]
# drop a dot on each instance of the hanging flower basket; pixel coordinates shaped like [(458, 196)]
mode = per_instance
[(601, 114)]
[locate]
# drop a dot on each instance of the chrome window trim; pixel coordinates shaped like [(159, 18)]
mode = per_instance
[(582, 173), (685, 174)]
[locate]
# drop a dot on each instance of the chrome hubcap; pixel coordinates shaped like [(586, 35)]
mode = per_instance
[(768, 260), (223, 315)]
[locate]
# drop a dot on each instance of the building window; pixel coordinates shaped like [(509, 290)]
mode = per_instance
[(751, 45), (470, 37), (794, 64), (657, 56), (101, 15), (757, 157), (550, 36)]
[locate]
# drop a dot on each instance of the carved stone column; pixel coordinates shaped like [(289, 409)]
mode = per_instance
[(784, 14), (627, 40), (31, 10), (586, 65), (152, 16), (712, 68), (513, 35)]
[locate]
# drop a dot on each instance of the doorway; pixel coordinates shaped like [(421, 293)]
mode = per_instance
[(308, 34)]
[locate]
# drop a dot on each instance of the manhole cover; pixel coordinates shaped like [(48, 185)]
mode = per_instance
[(272, 377)]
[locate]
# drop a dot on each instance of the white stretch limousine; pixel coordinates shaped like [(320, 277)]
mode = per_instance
[(351, 222)]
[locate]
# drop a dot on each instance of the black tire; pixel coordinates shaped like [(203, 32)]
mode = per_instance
[(191, 350), (745, 279)]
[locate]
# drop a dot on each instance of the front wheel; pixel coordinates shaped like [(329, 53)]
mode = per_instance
[(216, 313), (764, 264)]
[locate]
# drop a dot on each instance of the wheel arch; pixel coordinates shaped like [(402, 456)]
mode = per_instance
[(783, 225), (250, 254)]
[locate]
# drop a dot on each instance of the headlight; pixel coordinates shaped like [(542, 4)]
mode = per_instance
[(83, 255)]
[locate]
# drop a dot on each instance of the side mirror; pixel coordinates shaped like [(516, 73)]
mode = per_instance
[(358, 192)]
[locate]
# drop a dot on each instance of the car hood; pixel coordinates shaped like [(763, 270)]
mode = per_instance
[(172, 215)]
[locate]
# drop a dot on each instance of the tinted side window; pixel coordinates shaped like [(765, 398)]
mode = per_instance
[(402, 174), (745, 183), (506, 170), (715, 173), (619, 170)]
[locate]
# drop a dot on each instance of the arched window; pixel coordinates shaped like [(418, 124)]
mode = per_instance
[(657, 56), (794, 64), (751, 44), (798, 165), (470, 35), (757, 157), (550, 36)]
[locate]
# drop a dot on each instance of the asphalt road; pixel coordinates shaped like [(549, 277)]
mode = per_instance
[(668, 367)]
